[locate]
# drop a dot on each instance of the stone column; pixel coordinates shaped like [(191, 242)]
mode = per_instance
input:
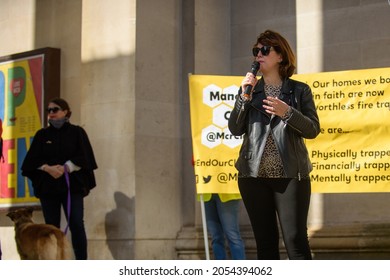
[(107, 104), (158, 128), (212, 56)]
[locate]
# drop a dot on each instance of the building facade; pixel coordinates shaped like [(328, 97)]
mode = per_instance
[(124, 70)]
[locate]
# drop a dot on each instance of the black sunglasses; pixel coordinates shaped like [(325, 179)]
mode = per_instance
[(264, 50), (53, 109)]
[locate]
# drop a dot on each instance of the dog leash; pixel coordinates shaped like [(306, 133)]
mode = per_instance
[(68, 200)]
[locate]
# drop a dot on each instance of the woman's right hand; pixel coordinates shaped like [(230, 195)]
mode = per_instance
[(249, 79)]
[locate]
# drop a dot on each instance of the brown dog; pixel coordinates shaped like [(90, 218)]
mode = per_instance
[(38, 241)]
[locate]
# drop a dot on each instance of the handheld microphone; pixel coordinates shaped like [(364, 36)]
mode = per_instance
[(254, 69)]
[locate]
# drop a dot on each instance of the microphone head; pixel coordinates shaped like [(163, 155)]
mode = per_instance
[(255, 67)]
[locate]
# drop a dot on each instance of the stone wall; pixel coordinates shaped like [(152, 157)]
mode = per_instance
[(124, 70)]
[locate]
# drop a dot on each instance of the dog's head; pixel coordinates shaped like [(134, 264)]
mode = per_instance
[(21, 215)]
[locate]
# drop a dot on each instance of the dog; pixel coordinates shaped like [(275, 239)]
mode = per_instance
[(38, 241)]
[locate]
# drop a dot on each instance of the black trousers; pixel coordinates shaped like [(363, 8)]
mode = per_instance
[(268, 200), (51, 208)]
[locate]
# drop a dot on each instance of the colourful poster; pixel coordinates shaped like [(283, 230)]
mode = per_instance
[(351, 154), (21, 95)]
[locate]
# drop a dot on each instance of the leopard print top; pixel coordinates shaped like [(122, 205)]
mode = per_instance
[(271, 165)]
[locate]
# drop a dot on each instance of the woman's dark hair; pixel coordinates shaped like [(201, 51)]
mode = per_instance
[(281, 46), (63, 105)]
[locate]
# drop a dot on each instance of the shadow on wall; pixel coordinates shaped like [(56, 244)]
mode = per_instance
[(119, 226)]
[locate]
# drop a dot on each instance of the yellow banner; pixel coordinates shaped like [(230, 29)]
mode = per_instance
[(351, 154)]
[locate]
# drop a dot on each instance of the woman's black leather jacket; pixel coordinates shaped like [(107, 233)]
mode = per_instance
[(250, 119)]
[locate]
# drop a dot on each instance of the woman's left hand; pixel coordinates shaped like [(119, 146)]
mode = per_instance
[(275, 106)]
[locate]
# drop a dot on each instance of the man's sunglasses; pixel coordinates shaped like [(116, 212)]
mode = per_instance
[(53, 109), (264, 50)]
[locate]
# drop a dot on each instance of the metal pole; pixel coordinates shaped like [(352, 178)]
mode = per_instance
[(205, 236)]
